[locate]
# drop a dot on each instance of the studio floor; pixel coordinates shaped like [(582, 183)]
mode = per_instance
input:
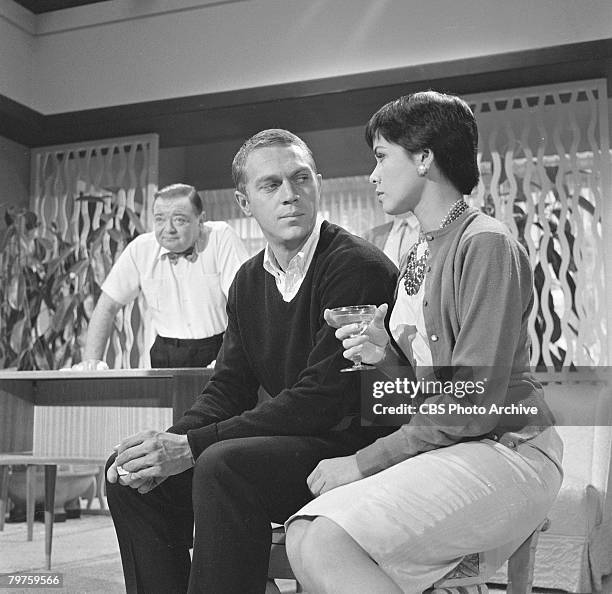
[(85, 551)]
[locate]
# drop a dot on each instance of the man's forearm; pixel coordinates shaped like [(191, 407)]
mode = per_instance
[(100, 327)]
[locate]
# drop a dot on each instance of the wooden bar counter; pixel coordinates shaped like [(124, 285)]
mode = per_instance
[(41, 410)]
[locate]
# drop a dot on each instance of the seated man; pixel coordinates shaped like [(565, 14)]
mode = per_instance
[(231, 464), (184, 269)]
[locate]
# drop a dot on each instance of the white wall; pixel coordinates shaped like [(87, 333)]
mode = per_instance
[(129, 51), (16, 52)]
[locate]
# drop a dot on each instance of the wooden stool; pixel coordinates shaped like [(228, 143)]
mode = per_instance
[(464, 579)]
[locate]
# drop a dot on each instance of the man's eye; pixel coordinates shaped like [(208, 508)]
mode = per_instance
[(269, 187), (301, 179), (180, 221)]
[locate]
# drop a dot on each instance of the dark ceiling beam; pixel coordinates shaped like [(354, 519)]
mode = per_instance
[(20, 123), (42, 6), (336, 102)]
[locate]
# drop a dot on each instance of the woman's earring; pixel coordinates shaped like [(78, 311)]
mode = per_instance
[(422, 170)]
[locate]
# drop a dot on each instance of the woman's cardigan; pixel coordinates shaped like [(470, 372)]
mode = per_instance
[(477, 302)]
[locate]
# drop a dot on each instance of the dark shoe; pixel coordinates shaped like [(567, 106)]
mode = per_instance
[(39, 516), (73, 514), (17, 515), (73, 508)]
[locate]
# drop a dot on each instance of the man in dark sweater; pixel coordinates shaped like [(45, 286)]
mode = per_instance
[(233, 463)]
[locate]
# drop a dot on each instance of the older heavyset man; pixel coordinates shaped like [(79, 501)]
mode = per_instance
[(230, 463), (184, 269)]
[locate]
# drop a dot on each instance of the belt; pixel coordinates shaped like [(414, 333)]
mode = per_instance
[(191, 342)]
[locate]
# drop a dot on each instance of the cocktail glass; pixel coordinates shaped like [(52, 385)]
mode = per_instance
[(361, 315)]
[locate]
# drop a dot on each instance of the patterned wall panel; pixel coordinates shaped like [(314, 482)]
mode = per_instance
[(119, 176), (544, 155)]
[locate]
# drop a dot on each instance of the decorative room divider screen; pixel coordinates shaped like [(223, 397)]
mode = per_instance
[(104, 185), (545, 163), (544, 155)]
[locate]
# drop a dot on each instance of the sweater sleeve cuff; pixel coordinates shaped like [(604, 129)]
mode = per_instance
[(391, 362), (178, 428), (373, 459), (200, 439)]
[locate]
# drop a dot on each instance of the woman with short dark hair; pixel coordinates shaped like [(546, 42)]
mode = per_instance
[(471, 470)]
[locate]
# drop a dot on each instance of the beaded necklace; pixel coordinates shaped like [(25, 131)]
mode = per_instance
[(419, 253)]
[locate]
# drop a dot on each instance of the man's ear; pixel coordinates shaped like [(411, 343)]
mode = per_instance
[(319, 181), (243, 203)]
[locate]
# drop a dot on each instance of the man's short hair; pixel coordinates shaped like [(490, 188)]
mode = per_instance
[(264, 139), (181, 191)]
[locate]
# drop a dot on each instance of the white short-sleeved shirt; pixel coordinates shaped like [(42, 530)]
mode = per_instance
[(186, 299)]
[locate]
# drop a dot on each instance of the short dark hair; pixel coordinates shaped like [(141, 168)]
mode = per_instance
[(263, 139), (443, 123), (181, 191)]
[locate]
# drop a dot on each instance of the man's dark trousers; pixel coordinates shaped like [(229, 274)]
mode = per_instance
[(184, 352), (235, 490)]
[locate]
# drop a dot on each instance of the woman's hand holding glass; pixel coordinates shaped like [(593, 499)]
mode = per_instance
[(371, 344)]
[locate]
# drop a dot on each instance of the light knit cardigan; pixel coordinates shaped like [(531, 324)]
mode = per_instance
[(478, 298)]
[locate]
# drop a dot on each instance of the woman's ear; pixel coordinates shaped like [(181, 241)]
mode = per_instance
[(426, 158)]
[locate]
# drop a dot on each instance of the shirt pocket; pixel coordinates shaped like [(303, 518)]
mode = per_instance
[(204, 288), (153, 291)]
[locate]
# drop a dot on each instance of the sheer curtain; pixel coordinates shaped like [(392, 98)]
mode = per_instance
[(347, 201)]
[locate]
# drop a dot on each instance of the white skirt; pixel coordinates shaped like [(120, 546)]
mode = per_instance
[(417, 519)]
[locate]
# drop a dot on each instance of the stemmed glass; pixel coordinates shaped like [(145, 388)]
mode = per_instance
[(353, 314)]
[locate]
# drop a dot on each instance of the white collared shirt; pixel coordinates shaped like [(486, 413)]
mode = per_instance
[(186, 299), (407, 323), (289, 281), (403, 235)]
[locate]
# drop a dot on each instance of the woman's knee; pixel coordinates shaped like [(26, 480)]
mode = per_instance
[(309, 542), (296, 532)]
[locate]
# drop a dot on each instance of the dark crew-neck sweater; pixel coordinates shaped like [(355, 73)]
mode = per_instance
[(288, 349)]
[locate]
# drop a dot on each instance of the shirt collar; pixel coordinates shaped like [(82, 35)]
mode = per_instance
[(410, 219), (301, 261), (196, 246)]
